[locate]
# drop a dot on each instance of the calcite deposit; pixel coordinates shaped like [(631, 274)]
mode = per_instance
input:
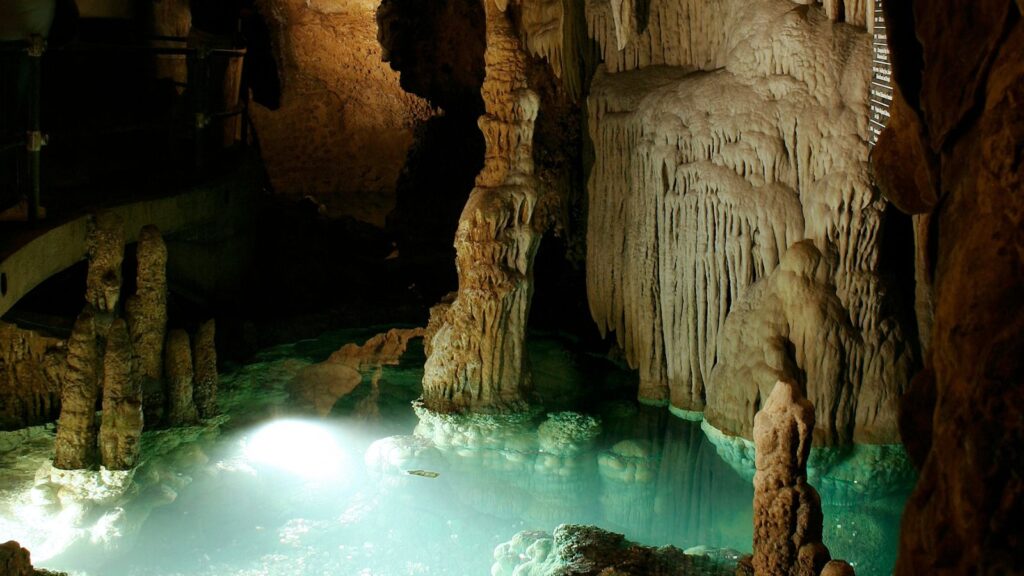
[(121, 423), (75, 446), (204, 363), (953, 158), (146, 313), (478, 357), (181, 408), (724, 134), (105, 248), (31, 372)]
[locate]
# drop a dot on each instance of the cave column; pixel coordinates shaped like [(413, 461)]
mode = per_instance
[(478, 360)]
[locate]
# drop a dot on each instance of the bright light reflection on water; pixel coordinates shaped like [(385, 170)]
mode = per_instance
[(296, 497)]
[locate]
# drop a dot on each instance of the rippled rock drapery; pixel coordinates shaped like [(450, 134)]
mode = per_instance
[(31, 371), (146, 312), (725, 133), (478, 357), (952, 155), (121, 423), (75, 446)]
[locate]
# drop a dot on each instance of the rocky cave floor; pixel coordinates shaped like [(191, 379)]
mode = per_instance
[(379, 487)]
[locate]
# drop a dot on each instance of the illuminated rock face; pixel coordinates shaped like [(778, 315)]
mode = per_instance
[(121, 425), (477, 355), (75, 445), (726, 132), (146, 313)]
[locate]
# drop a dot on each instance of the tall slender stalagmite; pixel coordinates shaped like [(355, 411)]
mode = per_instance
[(121, 425), (181, 408), (478, 360), (146, 312), (105, 247), (204, 360), (75, 446)]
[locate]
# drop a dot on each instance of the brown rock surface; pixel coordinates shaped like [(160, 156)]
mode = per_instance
[(105, 247), (15, 560), (75, 446), (31, 371), (146, 313), (386, 348), (478, 357), (345, 125), (204, 360), (181, 408), (964, 77), (121, 423), (787, 510)]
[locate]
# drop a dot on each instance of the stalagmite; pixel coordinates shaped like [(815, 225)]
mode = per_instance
[(146, 312), (478, 357), (695, 198), (75, 446), (121, 424), (181, 409), (787, 510), (204, 359), (105, 247)]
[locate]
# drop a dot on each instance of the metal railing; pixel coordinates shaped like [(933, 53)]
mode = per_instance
[(198, 85)]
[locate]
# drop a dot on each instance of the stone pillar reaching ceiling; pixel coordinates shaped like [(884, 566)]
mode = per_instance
[(121, 425), (478, 356), (75, 446), (146, 312)]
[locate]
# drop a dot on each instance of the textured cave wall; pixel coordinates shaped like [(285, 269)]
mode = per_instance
[(345, 125), (725, 132), (952, 155)]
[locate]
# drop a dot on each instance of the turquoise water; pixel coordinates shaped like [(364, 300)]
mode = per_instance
[(375, 490)]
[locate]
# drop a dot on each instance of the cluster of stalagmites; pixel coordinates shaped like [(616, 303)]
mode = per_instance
[(141, 376), (734, 236)]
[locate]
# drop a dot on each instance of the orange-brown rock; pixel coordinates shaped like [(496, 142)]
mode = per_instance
[(121, 422), (75, 446), (386, 348), (105, 248), (959, 65)]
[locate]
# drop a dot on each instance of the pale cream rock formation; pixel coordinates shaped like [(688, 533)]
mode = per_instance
[(75, 446), (787, 510), (204, 361), (724, 133), (105, 249), (478, 356), (121, 422), (146, 313), (181, 408)]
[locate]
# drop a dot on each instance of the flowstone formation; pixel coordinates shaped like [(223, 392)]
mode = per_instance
[(478, 357), (725, 133)]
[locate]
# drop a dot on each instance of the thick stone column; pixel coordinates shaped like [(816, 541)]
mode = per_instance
[(146, 312), (121, 425), (75, 446), (478, 357)]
